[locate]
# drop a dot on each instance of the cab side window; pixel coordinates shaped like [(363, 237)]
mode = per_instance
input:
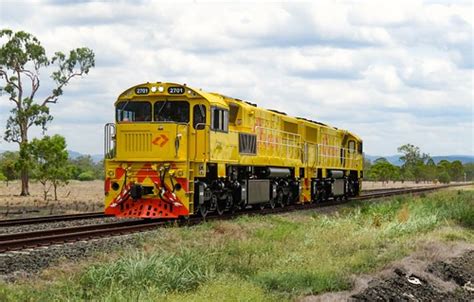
[(199, 116), (351, 146), (220, 119)]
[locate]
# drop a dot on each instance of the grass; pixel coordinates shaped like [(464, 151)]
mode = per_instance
[(262, 258)]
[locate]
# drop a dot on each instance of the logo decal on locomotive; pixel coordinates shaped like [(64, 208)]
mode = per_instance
[(163, 138)]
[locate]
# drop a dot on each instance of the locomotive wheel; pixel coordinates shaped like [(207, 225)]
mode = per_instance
[(323, 196), (220, 205), (230, 202), (272, 203), (203, 210), (288, 199), (279, 200)]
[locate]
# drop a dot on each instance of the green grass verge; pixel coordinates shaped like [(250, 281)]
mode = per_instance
[(262, 258)]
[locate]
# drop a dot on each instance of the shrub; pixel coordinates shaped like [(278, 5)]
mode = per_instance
[(302, 282), (84, 176), (444, 177)]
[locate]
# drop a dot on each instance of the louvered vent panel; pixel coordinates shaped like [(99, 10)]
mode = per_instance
[(138, 142)]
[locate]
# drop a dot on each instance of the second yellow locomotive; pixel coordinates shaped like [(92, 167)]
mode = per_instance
[(176, 151)]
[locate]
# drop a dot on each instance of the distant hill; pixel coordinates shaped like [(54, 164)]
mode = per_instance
[(463, 158), (95, 157), (395, 159)]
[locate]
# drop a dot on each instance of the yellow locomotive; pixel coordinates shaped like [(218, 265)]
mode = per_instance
[(176, 151)]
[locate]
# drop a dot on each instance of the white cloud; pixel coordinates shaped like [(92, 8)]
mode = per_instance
[(391, 72)]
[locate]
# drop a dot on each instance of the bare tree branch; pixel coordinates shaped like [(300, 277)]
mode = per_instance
[(53, 98)]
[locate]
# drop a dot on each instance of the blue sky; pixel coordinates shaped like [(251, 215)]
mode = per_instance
[(394, 72)]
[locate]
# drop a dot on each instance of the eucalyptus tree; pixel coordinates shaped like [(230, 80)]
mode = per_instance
[(21, 58)]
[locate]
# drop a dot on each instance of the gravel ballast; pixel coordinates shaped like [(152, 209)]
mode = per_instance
[(58, 224), (24, 263)]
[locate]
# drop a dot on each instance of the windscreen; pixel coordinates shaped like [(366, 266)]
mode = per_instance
[(128, 111), (172, 111)]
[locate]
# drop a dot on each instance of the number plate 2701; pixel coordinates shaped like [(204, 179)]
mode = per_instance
[(175, 90)]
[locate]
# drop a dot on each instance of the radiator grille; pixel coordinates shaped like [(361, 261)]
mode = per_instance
[(247, 143), (138, 142)]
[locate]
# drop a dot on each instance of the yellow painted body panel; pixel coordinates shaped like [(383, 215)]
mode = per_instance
[(224, 147), (144, 141)]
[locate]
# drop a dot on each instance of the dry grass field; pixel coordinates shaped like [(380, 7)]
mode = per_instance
[(77, 196)]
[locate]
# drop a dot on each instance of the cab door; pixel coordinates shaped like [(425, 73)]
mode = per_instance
[(200, 133), (223, 143)]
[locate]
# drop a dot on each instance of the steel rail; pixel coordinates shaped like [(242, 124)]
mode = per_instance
[(55, 218), (18, 241)]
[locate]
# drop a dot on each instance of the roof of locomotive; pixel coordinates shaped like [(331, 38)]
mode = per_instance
[(161, 89)]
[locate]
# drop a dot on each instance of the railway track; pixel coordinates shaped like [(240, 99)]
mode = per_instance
[(55, 218), (18, 241)]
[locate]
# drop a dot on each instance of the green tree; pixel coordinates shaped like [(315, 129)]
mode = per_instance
[(21, 59), (367, 165), (469, 170), (99, 170), (382, 170), (85, 163), (51, 167), (87, 175), (429, 170), (406, 174), (444, 177), (9, 165), (456, 171), (413, 160), (443, 167)]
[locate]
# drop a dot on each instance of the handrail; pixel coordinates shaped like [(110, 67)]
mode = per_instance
[(109, 140)]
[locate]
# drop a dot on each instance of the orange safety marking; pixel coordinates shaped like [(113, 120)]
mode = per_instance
[(107, 185), (183, 182), (119, 172), (157, 140), (149, 207)]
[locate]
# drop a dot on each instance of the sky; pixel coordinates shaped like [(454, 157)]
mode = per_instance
[(393, 72)]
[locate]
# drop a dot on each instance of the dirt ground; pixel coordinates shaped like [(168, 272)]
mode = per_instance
[(77, 196), (437, 272), (375, 185)]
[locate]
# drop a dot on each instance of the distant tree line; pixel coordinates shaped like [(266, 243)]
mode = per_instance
[(418, 167), (81, 168)]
